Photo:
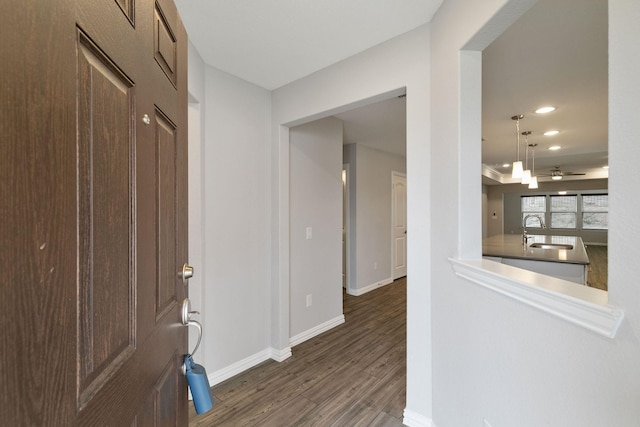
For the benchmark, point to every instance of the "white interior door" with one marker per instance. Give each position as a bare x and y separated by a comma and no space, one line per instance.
399,224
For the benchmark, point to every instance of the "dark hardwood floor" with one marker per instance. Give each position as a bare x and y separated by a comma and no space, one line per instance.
352,375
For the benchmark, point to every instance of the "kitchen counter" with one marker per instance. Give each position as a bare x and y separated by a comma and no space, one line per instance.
566,264
511,246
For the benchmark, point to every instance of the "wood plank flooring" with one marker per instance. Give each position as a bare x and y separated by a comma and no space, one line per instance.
352,375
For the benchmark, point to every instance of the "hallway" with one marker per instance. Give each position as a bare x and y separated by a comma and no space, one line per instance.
352,375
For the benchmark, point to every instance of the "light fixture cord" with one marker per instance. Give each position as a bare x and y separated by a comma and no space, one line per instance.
526,152
533,161
518,137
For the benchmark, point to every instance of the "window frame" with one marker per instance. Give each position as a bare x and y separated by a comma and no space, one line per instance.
547,214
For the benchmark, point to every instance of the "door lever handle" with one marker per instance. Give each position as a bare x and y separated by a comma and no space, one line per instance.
186,320
187,312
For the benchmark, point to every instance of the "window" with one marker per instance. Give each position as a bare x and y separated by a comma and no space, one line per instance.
564,211
595,212
588,210
533,207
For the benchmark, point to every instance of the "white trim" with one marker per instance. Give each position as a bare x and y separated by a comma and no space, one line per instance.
247,363
316,330
238,367
281,355
356,292
347,224
413,419
580,305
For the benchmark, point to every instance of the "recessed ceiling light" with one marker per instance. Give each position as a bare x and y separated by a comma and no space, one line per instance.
544,110
506,165
555,147
562,193
605,167
551,132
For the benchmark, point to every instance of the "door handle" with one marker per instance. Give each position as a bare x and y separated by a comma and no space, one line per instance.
186,321
186,273
186,312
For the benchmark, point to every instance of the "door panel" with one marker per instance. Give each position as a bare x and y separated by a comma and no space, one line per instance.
165,142
128,8
94,213
164,44
105,213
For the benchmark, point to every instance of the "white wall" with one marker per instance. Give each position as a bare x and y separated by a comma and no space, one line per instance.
316,203
495,358
379,73
487,214
236,211
196,195
234,270
371,225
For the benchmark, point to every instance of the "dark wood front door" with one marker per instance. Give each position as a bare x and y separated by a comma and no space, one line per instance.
93,164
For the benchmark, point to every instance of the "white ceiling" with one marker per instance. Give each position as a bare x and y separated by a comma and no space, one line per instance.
274,42
554,54
382,126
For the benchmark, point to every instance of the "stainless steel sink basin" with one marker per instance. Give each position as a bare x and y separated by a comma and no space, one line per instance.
551,246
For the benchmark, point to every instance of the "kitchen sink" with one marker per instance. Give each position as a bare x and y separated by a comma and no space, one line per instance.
551,246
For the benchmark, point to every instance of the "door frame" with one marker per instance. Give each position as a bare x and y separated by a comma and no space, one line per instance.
346,215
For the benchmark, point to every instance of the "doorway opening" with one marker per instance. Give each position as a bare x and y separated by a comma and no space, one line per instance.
370,148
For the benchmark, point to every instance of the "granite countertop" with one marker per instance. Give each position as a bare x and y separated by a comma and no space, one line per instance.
510,246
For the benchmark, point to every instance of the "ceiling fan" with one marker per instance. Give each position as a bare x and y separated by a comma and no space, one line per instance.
557,174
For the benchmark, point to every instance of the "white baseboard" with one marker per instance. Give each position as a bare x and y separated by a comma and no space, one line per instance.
240,366
270,353
317,330
361,291
280,355
413,419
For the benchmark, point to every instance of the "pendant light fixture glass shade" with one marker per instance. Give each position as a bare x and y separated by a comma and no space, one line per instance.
533,184
516,171
526,173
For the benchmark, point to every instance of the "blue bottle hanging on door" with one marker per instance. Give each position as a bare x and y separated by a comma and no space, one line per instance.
196,374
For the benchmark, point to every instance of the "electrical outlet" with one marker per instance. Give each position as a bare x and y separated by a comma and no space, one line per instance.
375,265
309,300
309,233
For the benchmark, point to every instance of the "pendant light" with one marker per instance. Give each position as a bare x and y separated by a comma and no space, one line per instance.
526,174
516,171
533,184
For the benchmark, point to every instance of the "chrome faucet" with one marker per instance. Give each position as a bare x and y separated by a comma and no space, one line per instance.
525,237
